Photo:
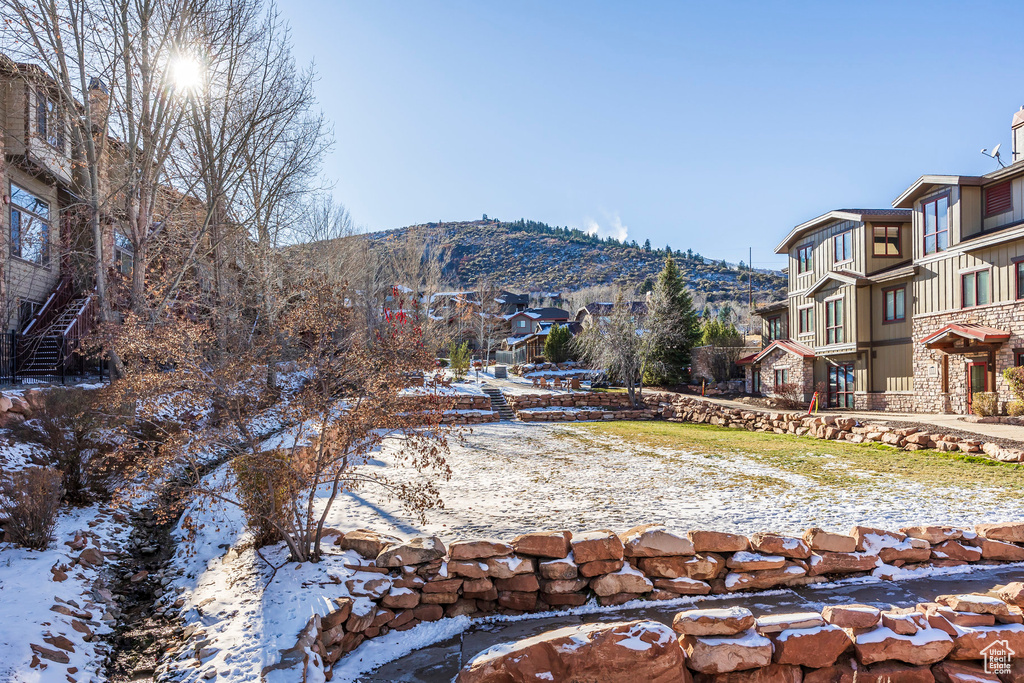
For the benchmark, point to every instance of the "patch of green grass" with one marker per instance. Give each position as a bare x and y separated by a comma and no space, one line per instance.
831,463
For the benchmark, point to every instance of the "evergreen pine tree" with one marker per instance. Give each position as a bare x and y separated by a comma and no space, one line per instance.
675,326
556,346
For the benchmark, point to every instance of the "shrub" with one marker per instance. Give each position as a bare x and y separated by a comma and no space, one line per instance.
1015,408
788,396
1015,378
30,499
984,403
458,356
67,427
263,488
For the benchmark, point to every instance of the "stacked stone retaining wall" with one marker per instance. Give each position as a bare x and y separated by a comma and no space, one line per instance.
403,583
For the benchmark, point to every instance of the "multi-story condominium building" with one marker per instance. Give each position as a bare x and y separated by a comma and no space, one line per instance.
918,307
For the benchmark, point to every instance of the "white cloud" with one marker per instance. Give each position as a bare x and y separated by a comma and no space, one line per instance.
612,227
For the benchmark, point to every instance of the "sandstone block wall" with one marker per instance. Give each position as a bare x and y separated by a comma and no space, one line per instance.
404,583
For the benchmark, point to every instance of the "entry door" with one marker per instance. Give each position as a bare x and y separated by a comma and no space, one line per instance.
977,379
840,385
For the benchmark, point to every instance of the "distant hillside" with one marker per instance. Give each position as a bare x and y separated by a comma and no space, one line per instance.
532,256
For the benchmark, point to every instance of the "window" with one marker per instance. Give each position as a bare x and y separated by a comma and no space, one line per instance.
124,254
803,257
840,386
894,305
26,312
1020,358
522,324
775,327
806,320
974,288
48,122
781,377
998,199
30,226
843,243
755,381
1019,270
936,224
886,240
834,321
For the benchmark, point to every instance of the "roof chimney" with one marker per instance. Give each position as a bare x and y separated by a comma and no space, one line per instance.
1017,135
99,102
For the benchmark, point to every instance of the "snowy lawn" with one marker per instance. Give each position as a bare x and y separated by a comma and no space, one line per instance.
514,477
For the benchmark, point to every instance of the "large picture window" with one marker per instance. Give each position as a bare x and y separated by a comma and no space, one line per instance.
834,321
936,224
974,288
886,241
30,226
124,254
843,246
803,259
894,308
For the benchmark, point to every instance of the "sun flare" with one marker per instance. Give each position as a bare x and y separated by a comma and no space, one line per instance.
186,73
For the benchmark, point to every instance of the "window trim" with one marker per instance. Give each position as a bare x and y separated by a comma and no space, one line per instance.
924,223
809,309
964,274
847,257
830,331
784,374
778,319
46,260
885,311
1018,278
984,199
755,381
43,116
800,270
899,241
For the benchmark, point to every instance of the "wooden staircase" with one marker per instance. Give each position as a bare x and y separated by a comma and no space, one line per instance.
48,343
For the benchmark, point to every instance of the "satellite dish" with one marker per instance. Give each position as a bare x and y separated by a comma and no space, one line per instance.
995,154
995,150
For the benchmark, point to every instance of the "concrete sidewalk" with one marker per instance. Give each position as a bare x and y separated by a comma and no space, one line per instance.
439,663
941,422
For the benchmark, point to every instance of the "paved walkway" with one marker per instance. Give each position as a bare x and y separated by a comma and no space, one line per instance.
940,421
439,663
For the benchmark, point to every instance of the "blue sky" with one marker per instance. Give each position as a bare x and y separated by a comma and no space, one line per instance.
710,126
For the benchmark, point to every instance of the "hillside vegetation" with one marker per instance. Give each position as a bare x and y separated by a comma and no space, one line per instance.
531,256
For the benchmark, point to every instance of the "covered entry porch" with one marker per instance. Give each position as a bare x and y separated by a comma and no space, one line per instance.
968,362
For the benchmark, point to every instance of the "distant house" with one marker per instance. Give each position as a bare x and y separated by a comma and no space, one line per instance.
529,332
591,313
511,302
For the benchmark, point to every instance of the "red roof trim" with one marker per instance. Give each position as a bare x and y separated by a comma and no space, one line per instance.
979,333
788,346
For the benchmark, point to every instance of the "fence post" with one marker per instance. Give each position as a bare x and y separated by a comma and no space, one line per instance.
61,348
15,337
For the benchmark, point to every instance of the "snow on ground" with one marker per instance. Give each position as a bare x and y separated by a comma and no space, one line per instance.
28,591
508,478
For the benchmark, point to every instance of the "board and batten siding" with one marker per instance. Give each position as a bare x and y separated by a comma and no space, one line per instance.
872,263
937,285
892,368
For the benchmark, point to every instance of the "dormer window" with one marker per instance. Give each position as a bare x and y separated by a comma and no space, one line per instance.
936,224
886,240
843,246
48,122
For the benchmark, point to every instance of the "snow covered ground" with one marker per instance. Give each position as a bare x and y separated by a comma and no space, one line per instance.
514,477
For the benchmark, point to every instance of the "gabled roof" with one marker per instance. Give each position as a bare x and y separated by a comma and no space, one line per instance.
862,215
747,360
845,277
930,183
787,345
968,331
548,313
